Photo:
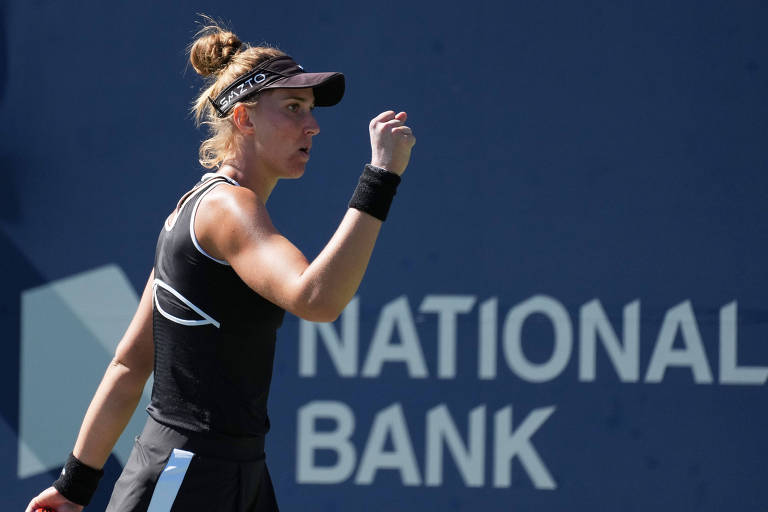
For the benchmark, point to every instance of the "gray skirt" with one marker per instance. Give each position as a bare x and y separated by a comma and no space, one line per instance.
172,471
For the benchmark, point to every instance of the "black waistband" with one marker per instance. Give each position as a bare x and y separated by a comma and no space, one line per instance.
207,445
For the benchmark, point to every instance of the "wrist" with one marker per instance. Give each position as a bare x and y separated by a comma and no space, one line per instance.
385,166
375,191
78,481
381,169
379,164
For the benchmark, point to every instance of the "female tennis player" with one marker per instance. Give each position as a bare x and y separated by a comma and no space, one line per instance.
222,279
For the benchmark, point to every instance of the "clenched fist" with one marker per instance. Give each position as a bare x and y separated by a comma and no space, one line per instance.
391,141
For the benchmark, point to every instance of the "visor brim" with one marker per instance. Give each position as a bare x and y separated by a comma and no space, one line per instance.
327,87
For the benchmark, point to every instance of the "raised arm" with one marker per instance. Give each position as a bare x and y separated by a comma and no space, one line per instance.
114,402
234,225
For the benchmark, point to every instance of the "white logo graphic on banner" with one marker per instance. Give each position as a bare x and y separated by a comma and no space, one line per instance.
69,331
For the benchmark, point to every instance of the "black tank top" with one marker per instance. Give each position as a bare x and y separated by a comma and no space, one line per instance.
214,336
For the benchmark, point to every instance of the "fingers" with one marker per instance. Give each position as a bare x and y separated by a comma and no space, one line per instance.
389,115
51,500
32,506
392,123
36,503
397,122
383,117
405,131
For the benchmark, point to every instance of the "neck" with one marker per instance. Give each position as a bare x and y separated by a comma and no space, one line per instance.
237,168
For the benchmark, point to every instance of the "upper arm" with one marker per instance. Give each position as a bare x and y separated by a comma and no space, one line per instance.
136,349
236,227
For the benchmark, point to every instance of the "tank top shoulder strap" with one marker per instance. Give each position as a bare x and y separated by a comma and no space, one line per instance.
215,176
208,181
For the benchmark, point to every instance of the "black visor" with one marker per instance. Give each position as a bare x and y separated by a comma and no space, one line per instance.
281,73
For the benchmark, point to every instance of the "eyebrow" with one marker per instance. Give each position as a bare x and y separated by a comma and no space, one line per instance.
299,98
304,101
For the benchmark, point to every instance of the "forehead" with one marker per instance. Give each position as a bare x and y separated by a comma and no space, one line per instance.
305,94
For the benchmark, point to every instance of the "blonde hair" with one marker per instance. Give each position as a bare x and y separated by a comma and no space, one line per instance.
218,55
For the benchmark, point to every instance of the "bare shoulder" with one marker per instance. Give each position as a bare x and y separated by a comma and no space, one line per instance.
228,217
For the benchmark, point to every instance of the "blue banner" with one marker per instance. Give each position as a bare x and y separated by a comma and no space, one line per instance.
566,308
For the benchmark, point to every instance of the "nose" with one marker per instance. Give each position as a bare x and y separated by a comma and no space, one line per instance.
311,127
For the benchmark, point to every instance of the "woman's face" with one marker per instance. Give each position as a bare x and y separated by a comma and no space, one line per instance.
283,130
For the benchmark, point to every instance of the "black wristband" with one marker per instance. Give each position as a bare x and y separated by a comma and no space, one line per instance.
77,481
375,191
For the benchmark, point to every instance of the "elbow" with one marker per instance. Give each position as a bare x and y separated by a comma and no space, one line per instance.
320,313
316,308
133,378
318,303
322,316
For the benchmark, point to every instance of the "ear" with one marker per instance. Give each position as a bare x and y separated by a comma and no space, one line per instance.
241,118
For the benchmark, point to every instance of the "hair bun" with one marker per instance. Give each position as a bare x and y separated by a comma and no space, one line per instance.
213,49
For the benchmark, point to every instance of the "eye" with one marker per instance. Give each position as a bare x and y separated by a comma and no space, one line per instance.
294,107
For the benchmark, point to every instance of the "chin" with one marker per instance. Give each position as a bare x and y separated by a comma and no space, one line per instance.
295,173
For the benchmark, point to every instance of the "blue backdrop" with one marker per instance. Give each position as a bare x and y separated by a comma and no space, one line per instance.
565,310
